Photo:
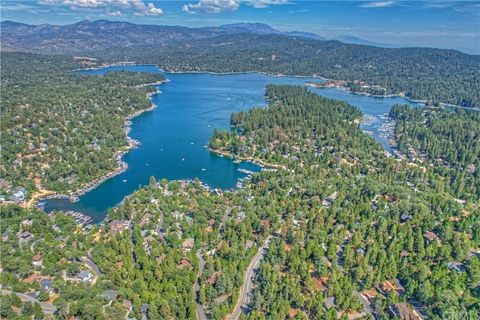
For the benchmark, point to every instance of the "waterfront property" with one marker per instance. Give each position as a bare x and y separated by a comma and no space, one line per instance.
173,136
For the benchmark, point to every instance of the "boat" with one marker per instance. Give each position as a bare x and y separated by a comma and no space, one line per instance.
124,180
73,199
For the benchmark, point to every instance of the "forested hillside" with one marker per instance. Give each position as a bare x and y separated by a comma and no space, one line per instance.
435,75
429,74
353,232
449,138
61,130
364,233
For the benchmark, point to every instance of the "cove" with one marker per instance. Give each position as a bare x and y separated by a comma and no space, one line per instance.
173,136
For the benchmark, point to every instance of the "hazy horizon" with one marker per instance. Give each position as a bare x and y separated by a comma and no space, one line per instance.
438,24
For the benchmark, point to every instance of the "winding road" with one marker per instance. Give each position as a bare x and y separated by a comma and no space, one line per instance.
199,309
47,308
246,289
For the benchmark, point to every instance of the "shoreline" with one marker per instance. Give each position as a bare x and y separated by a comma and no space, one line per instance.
256,161
132,143
358,93
315,76
121,167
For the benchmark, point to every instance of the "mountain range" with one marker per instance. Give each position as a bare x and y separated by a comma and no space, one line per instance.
90,36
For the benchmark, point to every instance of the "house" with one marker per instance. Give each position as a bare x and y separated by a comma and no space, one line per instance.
360,251
85,276
117,226
329,302
318,284
37,260
144,310
431,236
249,244
404,312
405,217
404,253
110,294
292,313
19,195
241,216
188,244
32,278
456,266
24,236
394,286
370,294
177,215
183,263
265,224
146,243
26,222
249,198
454,219
145,219
328,202
46,285
127,304
213,279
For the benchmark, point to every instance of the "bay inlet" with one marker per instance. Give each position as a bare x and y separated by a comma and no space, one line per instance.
173,136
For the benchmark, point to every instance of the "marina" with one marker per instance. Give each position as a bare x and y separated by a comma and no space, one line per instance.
170,139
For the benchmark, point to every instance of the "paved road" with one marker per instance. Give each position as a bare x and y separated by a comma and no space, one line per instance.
246,289
200,310
92,265
47,308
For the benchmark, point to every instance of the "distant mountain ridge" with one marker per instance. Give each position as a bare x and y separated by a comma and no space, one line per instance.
91,36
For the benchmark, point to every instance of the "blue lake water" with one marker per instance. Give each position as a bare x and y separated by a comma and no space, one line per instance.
173,136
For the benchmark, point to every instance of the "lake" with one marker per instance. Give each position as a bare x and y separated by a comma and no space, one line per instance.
174,135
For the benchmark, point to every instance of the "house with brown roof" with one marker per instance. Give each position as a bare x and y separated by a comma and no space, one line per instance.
404,312
32,278
213,279
404,253
117,226
188,244
127,304
431,236
183,263
393,285
37,260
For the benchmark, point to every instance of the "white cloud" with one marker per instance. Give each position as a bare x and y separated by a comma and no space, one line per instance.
113,14
151,10
217,6
211,6
109,6
377,4
265,3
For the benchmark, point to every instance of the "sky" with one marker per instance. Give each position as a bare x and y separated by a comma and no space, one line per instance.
433,23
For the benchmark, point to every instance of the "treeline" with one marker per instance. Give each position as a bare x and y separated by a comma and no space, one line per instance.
354,220
434,75
448,137
62,127
344,218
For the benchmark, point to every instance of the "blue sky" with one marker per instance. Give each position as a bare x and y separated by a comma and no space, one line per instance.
436,23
